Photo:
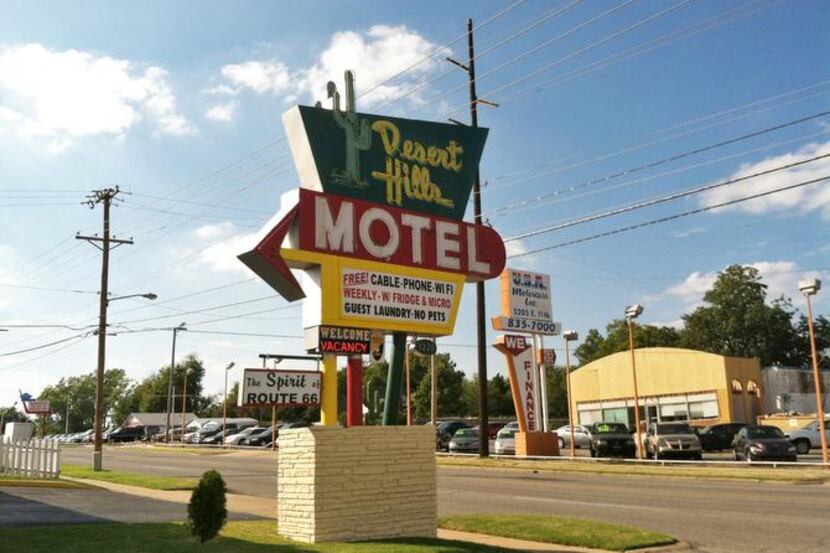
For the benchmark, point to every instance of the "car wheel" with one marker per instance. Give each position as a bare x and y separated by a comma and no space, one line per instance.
802,447
698,457
561,444
735,455
593,453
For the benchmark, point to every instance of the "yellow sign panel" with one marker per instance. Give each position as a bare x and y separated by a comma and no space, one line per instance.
382,296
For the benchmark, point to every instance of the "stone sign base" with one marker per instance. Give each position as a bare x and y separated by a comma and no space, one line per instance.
359,483
530,444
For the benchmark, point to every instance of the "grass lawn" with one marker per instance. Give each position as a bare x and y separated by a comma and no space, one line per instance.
236,537
129,478
811,475
13,481
558,530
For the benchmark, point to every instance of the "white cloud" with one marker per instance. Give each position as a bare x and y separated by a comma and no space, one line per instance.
688,232
6,276
803,200
221,112
208,232
56,97
374,56
781,278
259,76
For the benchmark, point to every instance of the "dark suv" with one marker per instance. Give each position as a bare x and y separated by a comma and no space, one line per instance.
718,437
611,439
127,434
445,431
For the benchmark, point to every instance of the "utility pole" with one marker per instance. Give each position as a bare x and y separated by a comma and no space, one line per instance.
481,315
170,400
105,197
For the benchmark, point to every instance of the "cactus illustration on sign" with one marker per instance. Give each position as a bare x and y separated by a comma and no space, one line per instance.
357,132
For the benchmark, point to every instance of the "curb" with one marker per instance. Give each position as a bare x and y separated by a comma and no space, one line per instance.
535,546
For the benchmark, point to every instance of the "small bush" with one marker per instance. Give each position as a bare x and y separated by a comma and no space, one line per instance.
206,512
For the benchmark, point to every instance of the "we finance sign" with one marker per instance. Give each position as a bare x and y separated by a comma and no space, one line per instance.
415,165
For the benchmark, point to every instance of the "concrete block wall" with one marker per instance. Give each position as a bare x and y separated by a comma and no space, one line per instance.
365,482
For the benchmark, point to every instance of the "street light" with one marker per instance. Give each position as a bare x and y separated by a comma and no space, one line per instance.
631,313
170,382
97,454
225,403
184,400
569,336
810,288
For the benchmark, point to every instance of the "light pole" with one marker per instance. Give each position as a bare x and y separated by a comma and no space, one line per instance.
811,288
225,402
175,330
66,421
98,451
631,313
569,336
184,401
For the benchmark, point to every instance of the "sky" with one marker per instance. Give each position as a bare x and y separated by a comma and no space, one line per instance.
602,106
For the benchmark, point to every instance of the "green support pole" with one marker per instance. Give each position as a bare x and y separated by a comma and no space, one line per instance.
394,381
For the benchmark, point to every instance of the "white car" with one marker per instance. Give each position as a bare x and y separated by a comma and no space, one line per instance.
581,436
807,437
506,441
233,439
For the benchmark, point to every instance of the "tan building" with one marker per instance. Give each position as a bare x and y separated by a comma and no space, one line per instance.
673,384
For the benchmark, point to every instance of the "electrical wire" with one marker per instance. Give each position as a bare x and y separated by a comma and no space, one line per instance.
669,218
659,199
658,162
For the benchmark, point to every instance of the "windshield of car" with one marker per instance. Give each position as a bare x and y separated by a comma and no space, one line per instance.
210,427
764,432
506,433
466,433
674,428
611,428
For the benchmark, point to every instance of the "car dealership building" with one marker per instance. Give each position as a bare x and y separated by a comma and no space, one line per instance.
673,384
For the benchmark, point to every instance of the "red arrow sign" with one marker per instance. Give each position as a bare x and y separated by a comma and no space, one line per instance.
265,260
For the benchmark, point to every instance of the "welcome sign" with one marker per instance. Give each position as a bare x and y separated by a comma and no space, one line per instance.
415,165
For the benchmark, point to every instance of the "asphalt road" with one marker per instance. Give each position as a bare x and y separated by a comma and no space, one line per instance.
716,516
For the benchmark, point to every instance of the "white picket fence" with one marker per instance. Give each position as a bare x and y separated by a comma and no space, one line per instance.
33,458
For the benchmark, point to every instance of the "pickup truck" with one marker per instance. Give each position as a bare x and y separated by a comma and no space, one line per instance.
807,437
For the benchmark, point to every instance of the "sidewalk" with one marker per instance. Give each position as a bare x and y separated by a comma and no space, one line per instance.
267,508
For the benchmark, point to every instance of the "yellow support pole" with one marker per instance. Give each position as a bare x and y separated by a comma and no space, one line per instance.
328,403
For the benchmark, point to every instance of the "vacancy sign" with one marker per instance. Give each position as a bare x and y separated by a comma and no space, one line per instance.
273,388
520,365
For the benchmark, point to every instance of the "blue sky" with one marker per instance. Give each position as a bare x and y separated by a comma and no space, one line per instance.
180,104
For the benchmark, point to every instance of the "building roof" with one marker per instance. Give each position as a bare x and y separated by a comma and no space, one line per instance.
157,419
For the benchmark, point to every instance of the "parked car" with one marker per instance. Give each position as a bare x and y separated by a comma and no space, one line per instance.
808,437
506,441
671,439
127,434
763,443
234,439
493,429
445,432
719,437
611,439
581,436
465,440
175,434
259,437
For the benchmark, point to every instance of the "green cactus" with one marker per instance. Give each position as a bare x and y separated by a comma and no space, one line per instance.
357,131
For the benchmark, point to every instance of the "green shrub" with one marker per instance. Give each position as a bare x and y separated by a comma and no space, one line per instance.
206,512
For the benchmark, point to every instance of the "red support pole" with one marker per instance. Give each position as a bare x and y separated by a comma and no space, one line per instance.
354,392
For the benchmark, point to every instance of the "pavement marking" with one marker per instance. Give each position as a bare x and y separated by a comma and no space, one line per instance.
593,503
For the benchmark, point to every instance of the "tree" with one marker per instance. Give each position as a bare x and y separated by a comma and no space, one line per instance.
79,392
151,393
10,414
738,322
450,391
821,327
616,339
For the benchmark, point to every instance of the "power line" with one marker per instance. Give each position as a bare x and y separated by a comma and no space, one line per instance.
45,289
78,340
42,346
645,47
660,199
212,308
580,51
533,204
670,217
658,162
